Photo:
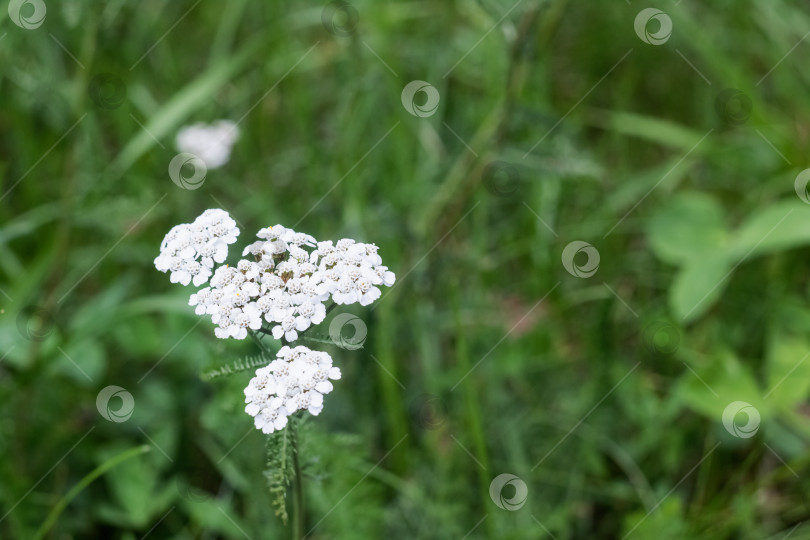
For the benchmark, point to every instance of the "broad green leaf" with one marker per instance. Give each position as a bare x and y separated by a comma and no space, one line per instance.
778,227
688,228
717,382
698,285
787,369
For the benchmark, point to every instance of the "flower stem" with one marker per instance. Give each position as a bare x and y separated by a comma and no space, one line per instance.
298,500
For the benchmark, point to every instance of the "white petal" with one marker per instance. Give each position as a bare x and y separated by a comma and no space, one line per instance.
315,410
301,323
238,332
221,333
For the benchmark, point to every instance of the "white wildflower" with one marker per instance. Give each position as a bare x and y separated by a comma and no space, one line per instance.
206,240
211,143
296,380
286,279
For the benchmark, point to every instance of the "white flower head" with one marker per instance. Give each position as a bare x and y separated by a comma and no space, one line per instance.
296,380
286,279
189,250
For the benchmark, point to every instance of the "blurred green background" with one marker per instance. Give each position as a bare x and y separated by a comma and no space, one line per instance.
676,160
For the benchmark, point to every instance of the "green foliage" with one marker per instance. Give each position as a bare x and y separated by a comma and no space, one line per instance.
691,232
248,363
278,468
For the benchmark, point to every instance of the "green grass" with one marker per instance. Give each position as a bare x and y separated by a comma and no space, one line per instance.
606,398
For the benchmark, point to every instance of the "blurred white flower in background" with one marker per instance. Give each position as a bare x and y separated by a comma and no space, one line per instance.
211,143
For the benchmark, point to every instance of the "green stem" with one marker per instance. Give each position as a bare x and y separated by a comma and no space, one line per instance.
298,500
56,511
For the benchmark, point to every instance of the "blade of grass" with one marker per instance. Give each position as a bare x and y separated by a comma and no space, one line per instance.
57,510
183,103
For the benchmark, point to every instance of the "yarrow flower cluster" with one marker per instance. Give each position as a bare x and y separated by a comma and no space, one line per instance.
296,380
190,250
285,281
